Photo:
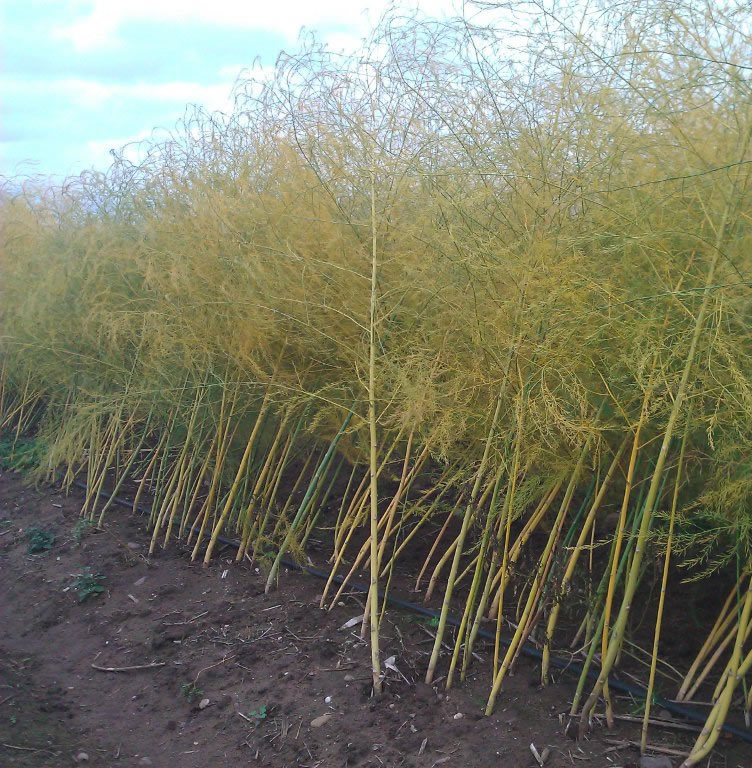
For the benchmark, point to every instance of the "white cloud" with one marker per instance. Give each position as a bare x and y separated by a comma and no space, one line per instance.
96,153
92,95
64,123
86,107
98,29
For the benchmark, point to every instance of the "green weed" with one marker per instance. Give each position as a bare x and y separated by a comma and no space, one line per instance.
429,621
81,529
259,714
39,539
88,584
190,692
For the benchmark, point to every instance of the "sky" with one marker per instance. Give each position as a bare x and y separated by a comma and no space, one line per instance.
81,77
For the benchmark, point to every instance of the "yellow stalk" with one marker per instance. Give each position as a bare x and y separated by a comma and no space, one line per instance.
719,685
168,502
477,562
722,623
438,538
617,547
222,446
425,517
512,553
197,485
126,470
386,523
736,671
148,470
282,518
248,517
230,500
572,563
373,463
452,548
460,540
519,636
662,598
353,516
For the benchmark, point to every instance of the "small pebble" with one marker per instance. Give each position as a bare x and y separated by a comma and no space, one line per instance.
317,722
133,545
204,703
144,761
348,678
328,700
458,716
81,757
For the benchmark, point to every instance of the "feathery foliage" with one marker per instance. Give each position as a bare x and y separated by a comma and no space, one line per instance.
522,238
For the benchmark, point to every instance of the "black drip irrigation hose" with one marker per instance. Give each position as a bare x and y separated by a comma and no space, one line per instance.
528,649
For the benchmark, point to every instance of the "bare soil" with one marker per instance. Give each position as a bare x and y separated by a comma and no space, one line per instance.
229,676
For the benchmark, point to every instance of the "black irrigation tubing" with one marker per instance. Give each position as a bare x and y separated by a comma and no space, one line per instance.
527,649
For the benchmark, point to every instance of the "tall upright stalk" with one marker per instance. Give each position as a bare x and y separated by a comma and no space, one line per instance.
373,456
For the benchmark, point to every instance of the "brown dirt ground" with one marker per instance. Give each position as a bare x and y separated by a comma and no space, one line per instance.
268,666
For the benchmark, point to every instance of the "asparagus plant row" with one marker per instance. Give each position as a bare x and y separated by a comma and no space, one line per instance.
436,308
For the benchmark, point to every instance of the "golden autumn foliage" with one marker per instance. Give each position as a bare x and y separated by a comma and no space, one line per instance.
525,234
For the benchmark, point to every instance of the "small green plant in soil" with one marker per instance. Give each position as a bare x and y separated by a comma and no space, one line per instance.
429,621
87,584
259,714
80,529
638,705
190,692
39,539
